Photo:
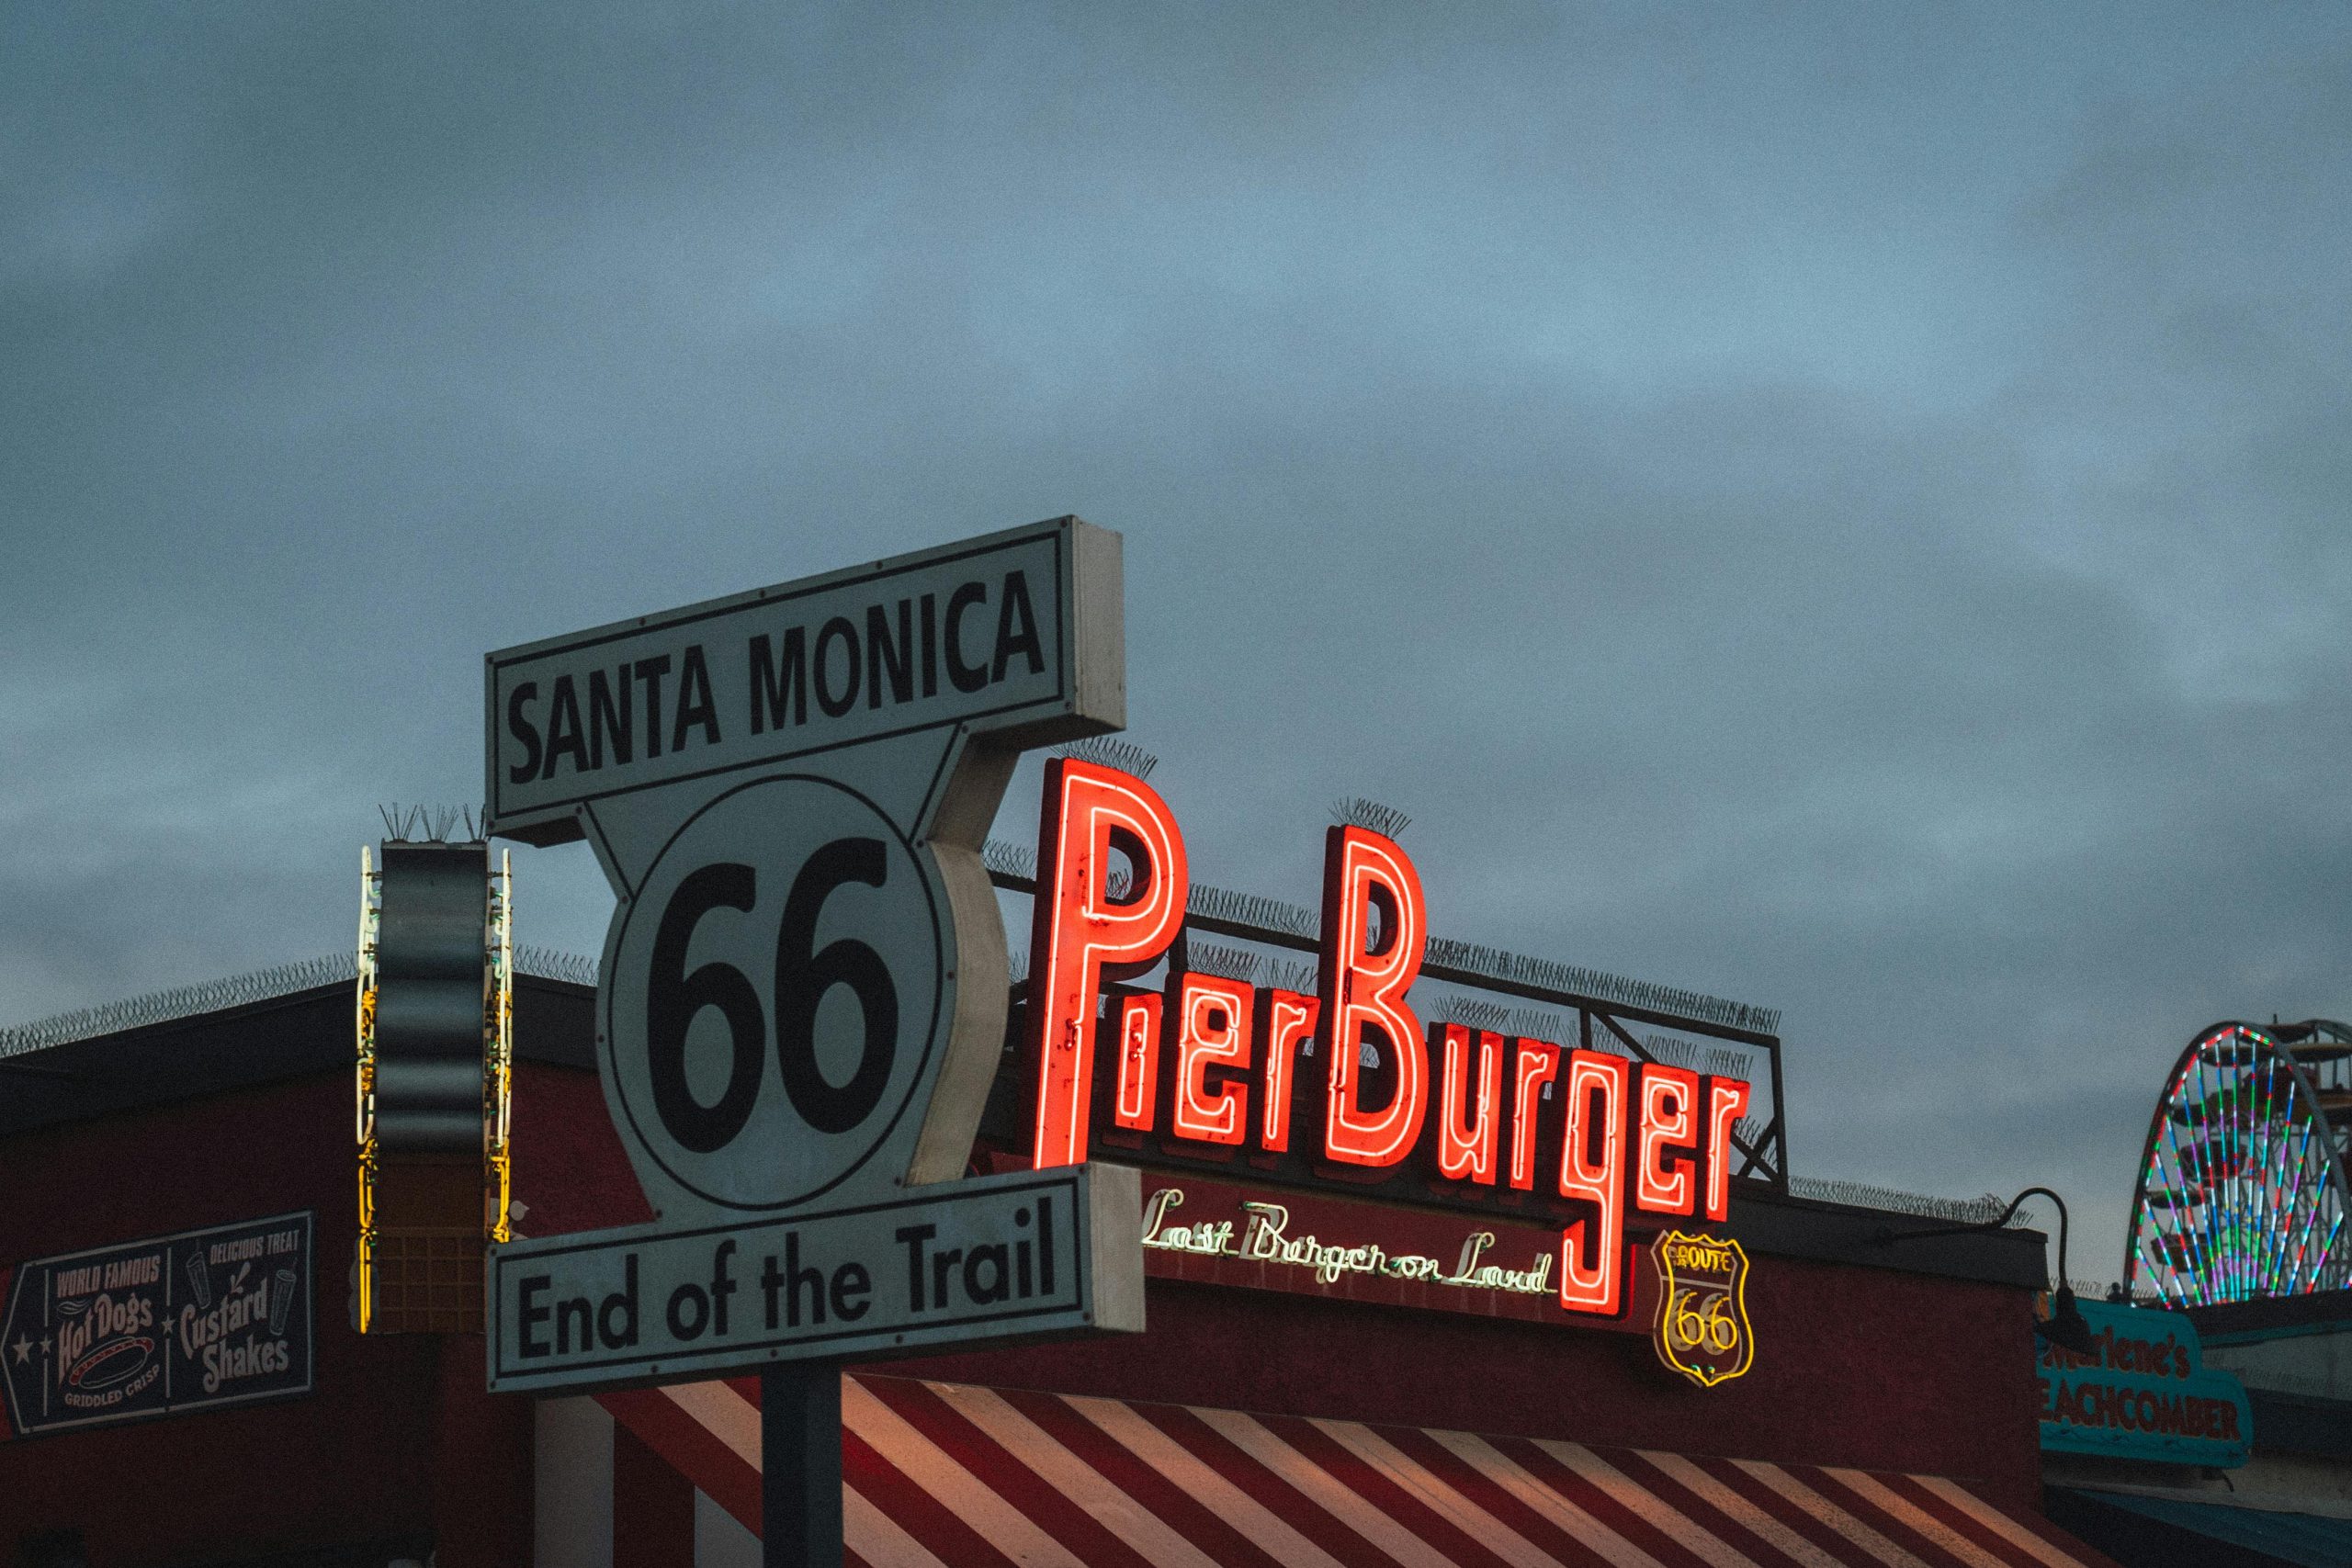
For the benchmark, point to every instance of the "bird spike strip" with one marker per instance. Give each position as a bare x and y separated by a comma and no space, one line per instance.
1539,1023
1726,1063
1577,980
1249,910
1225,963
1673,1051
1018,862
428,824
1006,858
1862,1195
182,1001
1111,751
1491,1017
548,963
1359,811
244,991
1286,975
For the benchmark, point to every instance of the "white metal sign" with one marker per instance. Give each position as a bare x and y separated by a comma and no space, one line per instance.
991,1258
804,985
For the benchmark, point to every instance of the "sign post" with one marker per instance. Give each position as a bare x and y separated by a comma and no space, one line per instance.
803,988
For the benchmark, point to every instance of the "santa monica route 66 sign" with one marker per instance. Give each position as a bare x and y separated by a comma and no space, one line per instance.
804,986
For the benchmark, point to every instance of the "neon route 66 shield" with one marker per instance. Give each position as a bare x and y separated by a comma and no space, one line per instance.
1703,1330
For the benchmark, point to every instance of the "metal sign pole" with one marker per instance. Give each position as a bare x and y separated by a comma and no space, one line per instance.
801,1465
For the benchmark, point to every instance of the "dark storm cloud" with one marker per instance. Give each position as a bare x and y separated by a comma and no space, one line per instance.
1838,508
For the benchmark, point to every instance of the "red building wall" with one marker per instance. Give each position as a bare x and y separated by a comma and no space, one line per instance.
1863,1367
396,1443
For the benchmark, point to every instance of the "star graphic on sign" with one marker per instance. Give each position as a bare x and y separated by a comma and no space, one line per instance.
44,1345
24,1349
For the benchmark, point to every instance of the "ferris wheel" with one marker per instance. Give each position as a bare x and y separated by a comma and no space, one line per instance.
2242,1189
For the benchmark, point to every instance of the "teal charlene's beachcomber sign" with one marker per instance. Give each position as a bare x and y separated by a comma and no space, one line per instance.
2143,1393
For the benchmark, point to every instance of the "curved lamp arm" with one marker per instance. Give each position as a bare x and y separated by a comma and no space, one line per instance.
2066,1326
2007,1214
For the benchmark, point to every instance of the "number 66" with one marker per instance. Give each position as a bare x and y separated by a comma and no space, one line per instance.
802,978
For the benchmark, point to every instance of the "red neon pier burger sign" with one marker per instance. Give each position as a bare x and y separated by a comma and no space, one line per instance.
1345,1084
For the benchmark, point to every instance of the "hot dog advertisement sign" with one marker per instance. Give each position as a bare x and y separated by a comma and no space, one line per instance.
159,1327
804,987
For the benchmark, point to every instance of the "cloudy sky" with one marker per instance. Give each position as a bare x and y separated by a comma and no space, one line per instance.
1848,508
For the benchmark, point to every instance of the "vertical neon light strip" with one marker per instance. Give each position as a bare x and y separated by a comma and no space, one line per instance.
1133,1103
2204,1264
2201,1172
2317,1266
2139,1250
2211,1107
1727,1103
1079,934
2280,1186
2196,1224
2308,1194
2314,1163
2241,1255
2319,1275
2246,1202
1202,1042
2276,1260
2296,1198
2178,1254
2165,1286
1360,987
2249,1224
2253,1216
1536,1064
2232,1197
2325,1194
2230,1230
1286,1020
1594,1077
2171,1231
1655,1190
2180,1257
370,912
2314,1192
498,1074
1466,1146
2261,1188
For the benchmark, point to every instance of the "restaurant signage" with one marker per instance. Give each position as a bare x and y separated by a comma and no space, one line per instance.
158,1326
1343,1085
1266,1236
803,993
1688,1292
986,1259
1702,1329
2143,1393
1307,1243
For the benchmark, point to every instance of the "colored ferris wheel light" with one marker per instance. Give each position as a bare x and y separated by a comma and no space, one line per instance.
2242,1190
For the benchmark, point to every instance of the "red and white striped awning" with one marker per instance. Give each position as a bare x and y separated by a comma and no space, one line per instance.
943,1475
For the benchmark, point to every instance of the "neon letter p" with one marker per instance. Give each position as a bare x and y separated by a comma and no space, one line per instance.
1082,935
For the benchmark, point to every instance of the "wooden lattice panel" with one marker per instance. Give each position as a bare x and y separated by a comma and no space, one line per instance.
428,1280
